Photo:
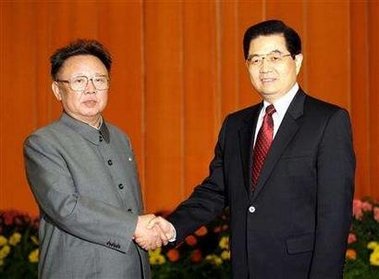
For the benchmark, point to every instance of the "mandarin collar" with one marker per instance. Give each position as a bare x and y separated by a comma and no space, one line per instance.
87,131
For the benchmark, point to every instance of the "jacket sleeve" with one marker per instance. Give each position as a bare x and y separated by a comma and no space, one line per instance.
335,172
208,199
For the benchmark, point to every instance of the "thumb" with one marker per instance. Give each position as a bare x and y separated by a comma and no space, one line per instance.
152,223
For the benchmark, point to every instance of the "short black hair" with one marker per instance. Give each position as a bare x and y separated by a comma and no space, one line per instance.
79,47
272,27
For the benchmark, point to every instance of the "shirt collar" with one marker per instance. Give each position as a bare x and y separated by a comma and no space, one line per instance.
100,123
281,105
87,131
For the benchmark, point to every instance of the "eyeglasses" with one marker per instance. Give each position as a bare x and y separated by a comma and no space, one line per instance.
80,83
273,58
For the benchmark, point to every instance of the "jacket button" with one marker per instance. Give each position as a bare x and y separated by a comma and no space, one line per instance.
120,186
130,210
110,162
251,209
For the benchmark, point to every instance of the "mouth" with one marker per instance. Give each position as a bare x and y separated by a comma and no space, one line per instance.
267,80
90,102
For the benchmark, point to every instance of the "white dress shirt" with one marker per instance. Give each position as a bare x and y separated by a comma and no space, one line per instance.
281,107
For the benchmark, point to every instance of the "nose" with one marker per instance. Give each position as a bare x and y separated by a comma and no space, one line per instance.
90,88
265,66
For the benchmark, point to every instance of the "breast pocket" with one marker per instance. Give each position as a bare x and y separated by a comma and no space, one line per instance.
300,172
300,166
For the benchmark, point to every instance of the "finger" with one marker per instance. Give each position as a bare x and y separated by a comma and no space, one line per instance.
144,245
167,229
155,237
153,222
158,243
141,243
163,236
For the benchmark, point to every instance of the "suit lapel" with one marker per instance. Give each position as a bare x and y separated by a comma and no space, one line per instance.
287,130
246,134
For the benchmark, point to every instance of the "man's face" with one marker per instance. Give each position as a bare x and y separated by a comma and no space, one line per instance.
85,105
274,75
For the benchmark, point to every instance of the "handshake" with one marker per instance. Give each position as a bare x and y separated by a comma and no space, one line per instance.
153,232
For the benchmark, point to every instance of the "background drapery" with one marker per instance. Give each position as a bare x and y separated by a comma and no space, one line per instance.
178,71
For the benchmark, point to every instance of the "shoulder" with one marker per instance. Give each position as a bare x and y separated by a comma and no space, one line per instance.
324,113
313,103
45,139
117,134
115,130
322,109
49,131
112,127
243,115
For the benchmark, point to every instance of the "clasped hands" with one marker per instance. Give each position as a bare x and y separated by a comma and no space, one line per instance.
153,231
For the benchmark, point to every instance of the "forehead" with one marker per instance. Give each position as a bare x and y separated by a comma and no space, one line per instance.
83,64
266,44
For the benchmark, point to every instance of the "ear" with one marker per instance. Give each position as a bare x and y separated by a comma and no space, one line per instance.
298,61
56,90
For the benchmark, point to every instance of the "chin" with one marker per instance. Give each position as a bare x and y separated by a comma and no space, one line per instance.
270,93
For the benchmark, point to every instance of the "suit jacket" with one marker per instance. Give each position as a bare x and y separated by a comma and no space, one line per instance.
295,224
86,184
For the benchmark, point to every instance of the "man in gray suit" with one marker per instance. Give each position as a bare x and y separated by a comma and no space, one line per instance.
83,174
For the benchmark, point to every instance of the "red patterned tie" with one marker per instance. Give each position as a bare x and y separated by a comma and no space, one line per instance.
263,143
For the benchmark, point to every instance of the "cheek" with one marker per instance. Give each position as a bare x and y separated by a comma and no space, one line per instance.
102,101
69,100
289,71
254,77
74,101
290,75
68,105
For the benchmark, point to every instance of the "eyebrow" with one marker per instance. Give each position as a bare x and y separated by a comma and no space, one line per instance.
95,75
273,51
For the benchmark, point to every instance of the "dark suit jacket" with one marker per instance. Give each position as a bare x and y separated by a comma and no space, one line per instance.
295,224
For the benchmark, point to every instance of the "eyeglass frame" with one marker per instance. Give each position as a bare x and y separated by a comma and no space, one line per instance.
70,80
262,57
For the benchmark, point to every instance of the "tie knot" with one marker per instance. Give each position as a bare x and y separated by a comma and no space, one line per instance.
270,109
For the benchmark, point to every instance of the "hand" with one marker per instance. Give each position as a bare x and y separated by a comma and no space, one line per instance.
149,238
166,227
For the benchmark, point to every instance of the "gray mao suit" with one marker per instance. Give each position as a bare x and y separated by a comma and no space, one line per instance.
85,182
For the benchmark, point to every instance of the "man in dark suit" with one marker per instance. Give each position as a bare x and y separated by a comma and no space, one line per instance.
289,217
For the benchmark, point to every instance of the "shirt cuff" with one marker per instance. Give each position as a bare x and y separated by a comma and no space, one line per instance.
173,239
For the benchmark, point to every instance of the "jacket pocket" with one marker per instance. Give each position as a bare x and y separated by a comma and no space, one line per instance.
300,244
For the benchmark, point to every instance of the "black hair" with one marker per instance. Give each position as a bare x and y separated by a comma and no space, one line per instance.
79,47
272,27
